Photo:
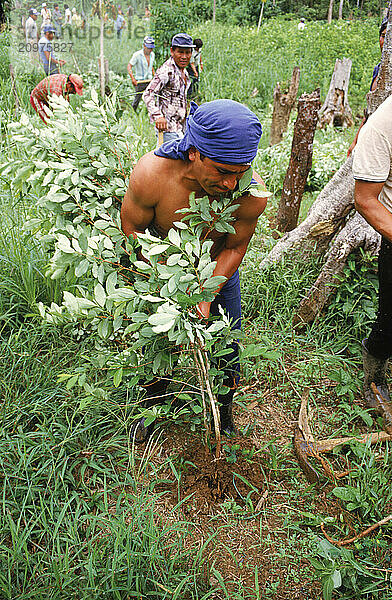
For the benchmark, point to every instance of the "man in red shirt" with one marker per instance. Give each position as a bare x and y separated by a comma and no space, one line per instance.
60,84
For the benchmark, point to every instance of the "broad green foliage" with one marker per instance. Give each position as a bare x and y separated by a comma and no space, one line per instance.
238,59
137,298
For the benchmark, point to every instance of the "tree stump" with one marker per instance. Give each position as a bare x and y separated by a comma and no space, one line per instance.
332,225
336,109
300,161
283,104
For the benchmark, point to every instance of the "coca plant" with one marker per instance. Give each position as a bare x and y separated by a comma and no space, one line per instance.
135,298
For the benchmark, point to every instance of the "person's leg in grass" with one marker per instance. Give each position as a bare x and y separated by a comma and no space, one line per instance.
229,298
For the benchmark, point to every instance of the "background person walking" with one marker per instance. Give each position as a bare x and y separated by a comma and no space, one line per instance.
141,68
57,18
47,57
46,16
119,23
31,31
165,97
195,67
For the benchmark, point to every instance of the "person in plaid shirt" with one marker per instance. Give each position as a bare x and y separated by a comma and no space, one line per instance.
60,84
165,97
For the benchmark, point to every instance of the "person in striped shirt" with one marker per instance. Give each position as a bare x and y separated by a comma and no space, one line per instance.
61,85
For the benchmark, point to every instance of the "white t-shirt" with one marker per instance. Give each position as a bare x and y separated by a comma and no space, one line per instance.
67,16
46,16
373,152
31,30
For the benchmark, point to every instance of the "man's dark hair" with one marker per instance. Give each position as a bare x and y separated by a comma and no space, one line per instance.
66,6
71,83
198,42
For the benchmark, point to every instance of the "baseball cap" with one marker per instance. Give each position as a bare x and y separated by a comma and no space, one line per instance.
149,41
32,11
44,5
182,40
49,29
77,83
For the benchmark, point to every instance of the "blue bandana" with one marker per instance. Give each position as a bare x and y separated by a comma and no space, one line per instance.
223,130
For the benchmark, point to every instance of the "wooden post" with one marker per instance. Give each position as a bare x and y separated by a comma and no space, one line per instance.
330,11
261,15
341,2
106,89
283,105
13,86
336,109
101,54
300,161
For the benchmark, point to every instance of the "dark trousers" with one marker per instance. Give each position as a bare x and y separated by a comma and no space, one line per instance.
379,342
194,87
139,89
51,69
229,298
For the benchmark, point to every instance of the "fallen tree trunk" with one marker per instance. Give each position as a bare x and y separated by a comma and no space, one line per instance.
300,161
336,109
324,219
332,225
356,233
283,105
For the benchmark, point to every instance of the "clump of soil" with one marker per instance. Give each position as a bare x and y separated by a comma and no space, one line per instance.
238,474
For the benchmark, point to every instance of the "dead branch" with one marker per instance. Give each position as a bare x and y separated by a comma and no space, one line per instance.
361,535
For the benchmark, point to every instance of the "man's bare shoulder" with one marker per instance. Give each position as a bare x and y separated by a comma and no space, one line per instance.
146,178
251,207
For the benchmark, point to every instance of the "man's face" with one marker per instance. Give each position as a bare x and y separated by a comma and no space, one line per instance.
181,56
147,50
382,38
50,35
216,178
34,17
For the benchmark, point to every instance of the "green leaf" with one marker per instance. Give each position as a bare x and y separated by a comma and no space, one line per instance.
348,494
160,318
164,328
117,378
328,587
174,237
99,295
214,282
180,225
337,579
245,180
158,249
104,328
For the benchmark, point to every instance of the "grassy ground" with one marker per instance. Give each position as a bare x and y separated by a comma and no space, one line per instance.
85,515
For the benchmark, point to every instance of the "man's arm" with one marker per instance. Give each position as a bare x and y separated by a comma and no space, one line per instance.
368,205
158,82
236,244
137,210
130,73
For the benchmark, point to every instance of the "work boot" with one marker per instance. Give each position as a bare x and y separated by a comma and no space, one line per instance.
375,373
226,413
156,392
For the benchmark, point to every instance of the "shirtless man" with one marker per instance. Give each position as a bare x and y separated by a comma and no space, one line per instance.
220,142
